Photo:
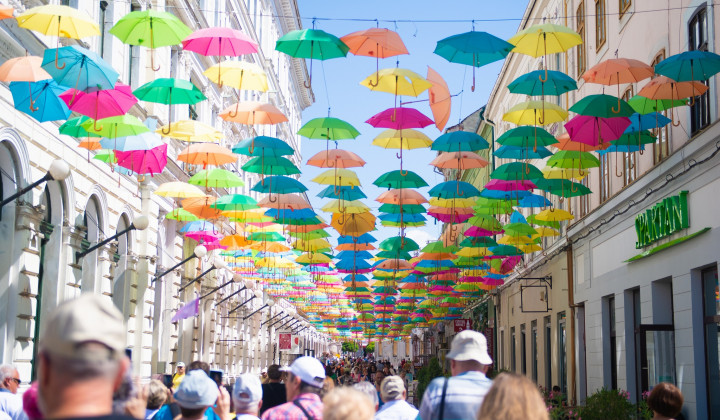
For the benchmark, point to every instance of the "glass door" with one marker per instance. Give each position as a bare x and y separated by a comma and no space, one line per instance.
711,295
657,355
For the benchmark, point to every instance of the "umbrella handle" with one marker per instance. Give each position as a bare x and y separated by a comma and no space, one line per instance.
472,88
95,127
270,198
377,71
672,117
231,115
457,188
573,188
152,61
308,84
169,114
32,103
543,80
56,60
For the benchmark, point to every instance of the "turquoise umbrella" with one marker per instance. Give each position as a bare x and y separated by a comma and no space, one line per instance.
532,83
263,146
454,189
169,91
312,44
689,66
459,141
40,100
400,179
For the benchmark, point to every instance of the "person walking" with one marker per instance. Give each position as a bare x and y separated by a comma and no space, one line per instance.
273,392
513,397
247,396
460,396
197,393
303,386
393,393
665,401
11,403
347,403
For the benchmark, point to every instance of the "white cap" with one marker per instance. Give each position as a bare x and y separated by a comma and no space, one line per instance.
247,389
308,369
470,345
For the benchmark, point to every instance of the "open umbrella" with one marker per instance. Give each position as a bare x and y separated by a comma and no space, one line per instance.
594,130
396,180
399,118
216,178
312,44
474,49
98,104
176,189
543,39
40,100
191,131
556,83
112,127
73,127
406,139
439,97
459,161
328,128
251,113
142,141
239,75
664,88
150,28
169,91
59,20
617,71
354,224
151,161
23,69
535,113
690,66
375,42
397,81
219,41
263,146
206,154
336,159
81,68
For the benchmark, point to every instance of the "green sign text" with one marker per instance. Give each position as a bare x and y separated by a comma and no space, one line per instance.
663,219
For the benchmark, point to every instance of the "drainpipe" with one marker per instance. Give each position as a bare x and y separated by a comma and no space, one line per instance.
571,304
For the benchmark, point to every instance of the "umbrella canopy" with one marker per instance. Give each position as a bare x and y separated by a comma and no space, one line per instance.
207,154
399,118
40,100
522,153
459,141
336,159
516,171
353,224
645,105
375,42
169,91
402,139
191,131
534,84
23,69
119,126
151,161
397,81
543,39
57,20
526,136
312,44
176,189
339,177
459,161
400,179
401,196
689,66
216,178
98,104
596,130
279,184
79,67
239,75
328,128
263,146
270,166
439,98
535,113
73,127
219,41
602,106
616,71
251,113
143,141
572,159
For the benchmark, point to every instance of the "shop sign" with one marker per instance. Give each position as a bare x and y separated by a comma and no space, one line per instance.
284,341
462,324
661,220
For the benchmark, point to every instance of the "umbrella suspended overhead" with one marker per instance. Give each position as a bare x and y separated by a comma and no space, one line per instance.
142,162
40,100
311,44
176,189
142,141
119,126
544,39
328,128
73,127
399,180
216,178
263,146
402,139
397,81
206,154
375,42
617,71
535,113
150,28
474,49
399,118
353,224
459,141
23,69
336,159
664,88
251,113
220,41
80,68
439,98
689,66
241,75
98,104
595,131
534,84
169,91
191,131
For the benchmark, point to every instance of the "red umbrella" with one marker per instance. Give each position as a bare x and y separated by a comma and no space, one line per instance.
151,161
399,118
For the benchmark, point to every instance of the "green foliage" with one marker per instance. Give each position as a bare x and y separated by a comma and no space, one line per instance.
350,346
608,404
370,348
427,374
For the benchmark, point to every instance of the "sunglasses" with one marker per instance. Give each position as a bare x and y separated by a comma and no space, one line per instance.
18,381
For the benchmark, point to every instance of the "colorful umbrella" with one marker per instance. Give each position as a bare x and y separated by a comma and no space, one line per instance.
399,180
239,75
689,66
375,42
81,68
439,97
459,161
665,88
594,130
263,146
176,189
459,141
328,128
142,141
23,69
602,106
206,154
151,161
353,224
73,127
543,39
112,127
40,100
219,41
251,113
98,104
169,91
556,83
474,49
191,131
616,71
312,44
216,178
336,159
150,28
397,81
399,118
535,113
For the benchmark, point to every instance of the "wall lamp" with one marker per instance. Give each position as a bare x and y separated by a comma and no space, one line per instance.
199,252
290,312
140,223
249,284
273,317
289,322
58,170
268,304
258,294
235,279
217,263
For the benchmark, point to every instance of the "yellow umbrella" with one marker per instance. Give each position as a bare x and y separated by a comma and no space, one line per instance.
564,173
543,39
178,189
544,232
452,202
515,240
535,113
473,252
191,131
397,81
239,75
263,229
353,224
342,206
60,21
527,249
407,139
312,258
554,215
313,245
338,177
273,247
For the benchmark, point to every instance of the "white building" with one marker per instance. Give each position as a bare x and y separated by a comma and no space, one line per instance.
44,229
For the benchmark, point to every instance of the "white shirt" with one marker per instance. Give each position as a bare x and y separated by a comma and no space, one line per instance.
12,405
396,410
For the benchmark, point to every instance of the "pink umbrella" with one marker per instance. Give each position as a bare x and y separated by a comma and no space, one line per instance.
451,218
98,104
596,130
493,282
475,231
220,41
151,161
510,263
502,185
399,118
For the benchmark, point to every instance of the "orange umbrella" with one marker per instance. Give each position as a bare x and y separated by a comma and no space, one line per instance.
450,210
274,247
207,154
401,196
616,71
6,12
564,143
375,42
459,160
285,202
251,113
663,87
23,69
355,247
90,143
306,228
354,224
200,207
236,242
440,98
395,264
336,159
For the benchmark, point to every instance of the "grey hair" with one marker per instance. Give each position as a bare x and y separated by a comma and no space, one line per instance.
86,368
368,389
6,371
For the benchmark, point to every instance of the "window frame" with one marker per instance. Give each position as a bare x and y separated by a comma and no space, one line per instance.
661,147
580,53
630,171
702,102
604,177
624,9
600,22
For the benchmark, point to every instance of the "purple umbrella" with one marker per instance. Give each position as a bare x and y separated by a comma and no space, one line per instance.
502,185
596,130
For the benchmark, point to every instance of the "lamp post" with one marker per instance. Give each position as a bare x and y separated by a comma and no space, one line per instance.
58,170
217,263
199,252
140,223
257,294
267,304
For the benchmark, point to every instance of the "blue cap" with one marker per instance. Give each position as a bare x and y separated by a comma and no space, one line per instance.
196,390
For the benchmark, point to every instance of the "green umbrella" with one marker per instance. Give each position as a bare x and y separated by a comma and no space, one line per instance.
489,206
234,202
643,105
312,44
486,222
150,28
571,159
266,236
328,128
602,106
516,171
400,179
270,166
74,127
438,247
405,208
532,219
398,243
478,242
394,255
562,187
107,156
113,127
519,229
169,91
505,250
635,139
216,178
313,234
525,136
182,215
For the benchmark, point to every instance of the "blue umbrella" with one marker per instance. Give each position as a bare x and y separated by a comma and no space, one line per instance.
404,217
533,200
459,141
622,148
517,217
517,152
279,184
143,141
365,238
40,100
350,264
343,193
531,83
81,68
689,66
288,214
454,189
353,254
640,122
263,146
504,195
198,226
474,49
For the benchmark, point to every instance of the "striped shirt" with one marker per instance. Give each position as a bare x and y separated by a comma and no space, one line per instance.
289,411
464,395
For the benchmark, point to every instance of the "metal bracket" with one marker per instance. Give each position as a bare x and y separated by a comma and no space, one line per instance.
535,283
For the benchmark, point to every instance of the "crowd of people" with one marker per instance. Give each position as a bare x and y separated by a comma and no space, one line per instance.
83,372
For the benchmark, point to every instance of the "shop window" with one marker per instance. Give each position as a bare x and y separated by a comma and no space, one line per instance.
523,350
562,352
600,24
698,40
548,352
580,53
534,350
711,300
661,147
624,6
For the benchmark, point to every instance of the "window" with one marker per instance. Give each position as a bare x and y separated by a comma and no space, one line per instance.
523,351
548,352
562,353
600,24
613,341
604,177
502,349
133,79
711,305
629,159
584,200
580,49
661,147
534,350
698,40
513,354
624,6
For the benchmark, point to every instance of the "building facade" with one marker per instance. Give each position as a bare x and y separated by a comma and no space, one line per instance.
594,310
43,230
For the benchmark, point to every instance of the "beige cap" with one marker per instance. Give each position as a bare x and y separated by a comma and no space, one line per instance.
470,345
87,319
391,388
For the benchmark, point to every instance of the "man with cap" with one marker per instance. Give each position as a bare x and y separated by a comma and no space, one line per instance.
197,392
179,375
393,394
81,360
303,386
460,396
273,392
247,397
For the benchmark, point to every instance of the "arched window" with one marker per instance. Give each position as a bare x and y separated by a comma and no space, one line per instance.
121,278
92,222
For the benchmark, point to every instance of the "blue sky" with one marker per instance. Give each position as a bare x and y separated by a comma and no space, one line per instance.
336,82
